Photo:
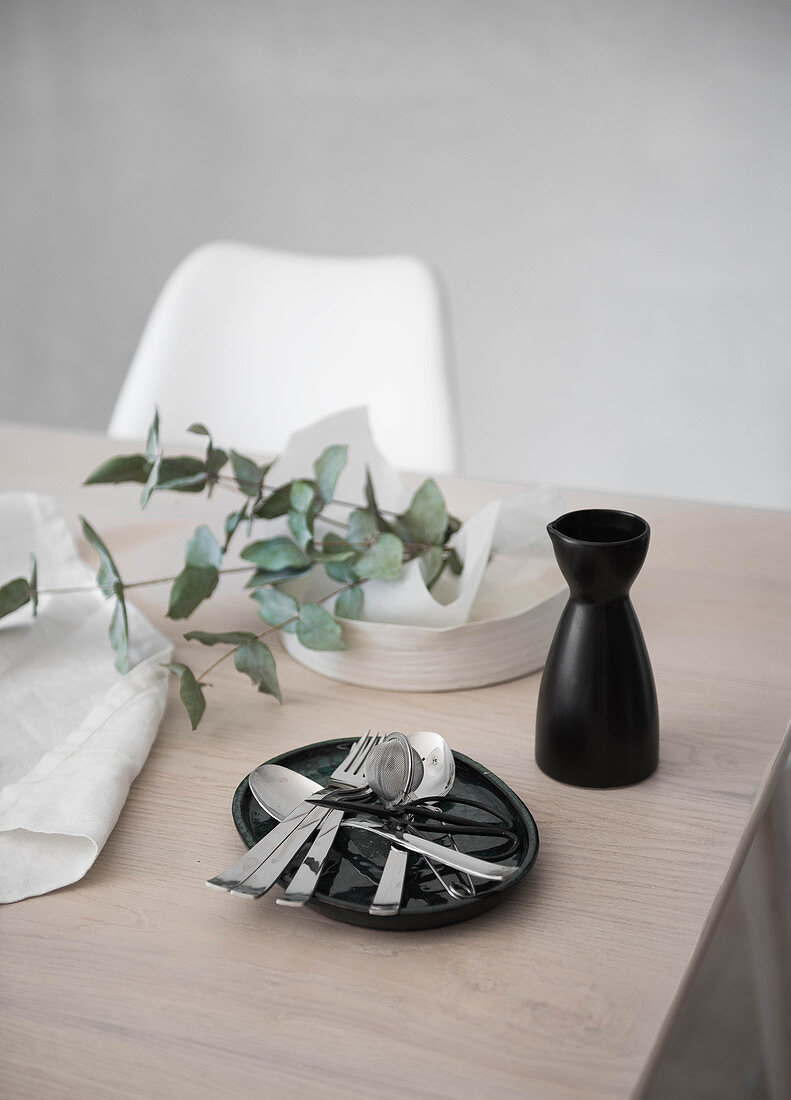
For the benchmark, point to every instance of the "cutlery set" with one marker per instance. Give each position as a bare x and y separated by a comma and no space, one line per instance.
390,786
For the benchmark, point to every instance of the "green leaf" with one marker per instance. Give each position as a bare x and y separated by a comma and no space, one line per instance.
255,659
432,562
14,595
274,576
199,577
119,634
230,637
426,519
203,550
199,429
383,560
215,460
107,576
373,507
34,584
154,458
191,693
232,521
275,554
276,607
455,563
340,571
120,469
152,443
317,629
362,527
328,467
182,473
276,504
334,548
249,475
301,527
302,495
349,603
191,587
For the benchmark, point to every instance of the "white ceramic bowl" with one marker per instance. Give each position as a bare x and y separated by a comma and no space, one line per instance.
418,658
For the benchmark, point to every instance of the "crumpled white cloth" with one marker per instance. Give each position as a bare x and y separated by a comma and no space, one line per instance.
508,561
74,733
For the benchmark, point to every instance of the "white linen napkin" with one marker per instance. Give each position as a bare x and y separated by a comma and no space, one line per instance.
74,733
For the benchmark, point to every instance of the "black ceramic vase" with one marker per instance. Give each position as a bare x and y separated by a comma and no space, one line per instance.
597,723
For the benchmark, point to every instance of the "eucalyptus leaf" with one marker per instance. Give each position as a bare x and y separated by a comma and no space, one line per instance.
200,575
349,603
191,692
302,495
183,473
151,483
276,608
362,527
120,469
232,521
276,504
276,554
317,629
249,475
383,560
34,584
199,429
328,467
455,564
107,576
334,548
301,527
230,637
256,660
373,507
426,519
340,571
203,550
432,562
119,634
152,443
273,576
215,460
191,587
13,595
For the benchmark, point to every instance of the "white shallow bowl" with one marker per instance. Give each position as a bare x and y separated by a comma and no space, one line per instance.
419,658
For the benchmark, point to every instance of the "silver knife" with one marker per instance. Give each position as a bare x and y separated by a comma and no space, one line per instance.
438,853
300,889
303,817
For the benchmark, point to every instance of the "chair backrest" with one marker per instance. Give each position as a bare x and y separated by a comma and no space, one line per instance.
257,343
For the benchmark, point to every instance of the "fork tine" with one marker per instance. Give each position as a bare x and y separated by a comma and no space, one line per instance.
359,765
354,753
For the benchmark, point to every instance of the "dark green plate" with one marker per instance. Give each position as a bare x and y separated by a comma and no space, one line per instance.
354,866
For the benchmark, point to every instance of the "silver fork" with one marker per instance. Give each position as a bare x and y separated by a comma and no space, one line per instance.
262,865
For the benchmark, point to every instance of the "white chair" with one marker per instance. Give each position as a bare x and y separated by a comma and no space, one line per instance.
256,343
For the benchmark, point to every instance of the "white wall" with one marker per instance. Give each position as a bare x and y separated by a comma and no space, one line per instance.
604,183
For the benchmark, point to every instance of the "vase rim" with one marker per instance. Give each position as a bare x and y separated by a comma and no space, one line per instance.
641,532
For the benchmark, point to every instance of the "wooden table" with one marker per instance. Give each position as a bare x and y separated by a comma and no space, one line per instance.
140,982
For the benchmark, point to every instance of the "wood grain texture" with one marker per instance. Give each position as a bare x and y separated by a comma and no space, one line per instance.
138,981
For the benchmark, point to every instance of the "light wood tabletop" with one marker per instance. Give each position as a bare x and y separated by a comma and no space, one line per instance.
139,982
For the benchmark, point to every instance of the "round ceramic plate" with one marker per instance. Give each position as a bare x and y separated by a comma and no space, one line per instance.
354,866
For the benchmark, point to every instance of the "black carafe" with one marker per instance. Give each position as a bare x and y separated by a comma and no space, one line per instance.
597,723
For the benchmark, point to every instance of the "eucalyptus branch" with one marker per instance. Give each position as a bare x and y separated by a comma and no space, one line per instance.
372,543
277,626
